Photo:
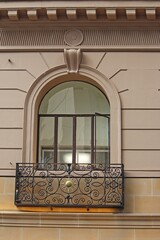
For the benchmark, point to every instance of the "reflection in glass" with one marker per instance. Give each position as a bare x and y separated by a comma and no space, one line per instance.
46,139
74,97
65,137
102,138
83,139
69,128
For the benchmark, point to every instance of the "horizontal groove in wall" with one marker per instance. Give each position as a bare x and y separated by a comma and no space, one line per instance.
12,70
14,128
8,108
141,174
140,109
140,129
140,149
5,148
12,89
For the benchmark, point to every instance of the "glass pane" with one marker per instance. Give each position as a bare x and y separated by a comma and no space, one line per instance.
74,97
102,139
46,139
65,139
83,140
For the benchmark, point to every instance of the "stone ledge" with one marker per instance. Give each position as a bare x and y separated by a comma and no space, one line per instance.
79,220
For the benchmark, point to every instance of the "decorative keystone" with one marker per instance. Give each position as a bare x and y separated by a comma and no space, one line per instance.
72,59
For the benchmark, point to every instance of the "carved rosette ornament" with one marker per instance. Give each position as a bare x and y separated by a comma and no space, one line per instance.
73,37
72,59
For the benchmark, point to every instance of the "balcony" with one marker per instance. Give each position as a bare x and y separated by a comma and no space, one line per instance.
69,185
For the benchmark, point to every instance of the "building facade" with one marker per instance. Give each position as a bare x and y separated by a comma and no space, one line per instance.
79,87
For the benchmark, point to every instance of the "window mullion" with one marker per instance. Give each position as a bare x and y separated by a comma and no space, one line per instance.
108,160
74,140
92,139
95,139
55,140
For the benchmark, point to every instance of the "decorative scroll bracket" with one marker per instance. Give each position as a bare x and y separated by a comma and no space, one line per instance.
72,58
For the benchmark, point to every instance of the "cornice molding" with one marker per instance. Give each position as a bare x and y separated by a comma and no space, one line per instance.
79,220
26,11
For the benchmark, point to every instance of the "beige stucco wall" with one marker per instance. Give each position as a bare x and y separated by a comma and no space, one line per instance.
135,75
121,44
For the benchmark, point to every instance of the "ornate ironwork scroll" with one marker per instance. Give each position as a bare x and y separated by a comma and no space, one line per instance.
69,185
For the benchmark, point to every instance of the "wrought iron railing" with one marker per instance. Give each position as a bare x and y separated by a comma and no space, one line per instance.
69,185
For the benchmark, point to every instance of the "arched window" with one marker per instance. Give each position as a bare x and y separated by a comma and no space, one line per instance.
56,120
71,119
74,125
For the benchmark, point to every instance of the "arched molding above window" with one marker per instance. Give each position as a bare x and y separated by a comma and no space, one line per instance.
54,77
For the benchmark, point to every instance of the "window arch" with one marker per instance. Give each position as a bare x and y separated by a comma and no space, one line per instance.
56,77
74,122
